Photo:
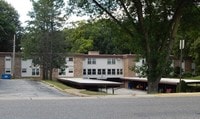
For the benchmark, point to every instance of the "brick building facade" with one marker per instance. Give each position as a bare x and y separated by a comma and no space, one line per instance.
91,65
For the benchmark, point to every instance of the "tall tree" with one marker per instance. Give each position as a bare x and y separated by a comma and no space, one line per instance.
154,21
9,25
44,42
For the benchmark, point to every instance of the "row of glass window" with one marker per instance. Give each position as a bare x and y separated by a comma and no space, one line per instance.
35,71
102,71
93,61
63,71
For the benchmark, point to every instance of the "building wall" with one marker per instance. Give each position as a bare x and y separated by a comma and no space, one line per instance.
108,64
68,69
129,61
188,66
78,67
75,67
17,67
2,65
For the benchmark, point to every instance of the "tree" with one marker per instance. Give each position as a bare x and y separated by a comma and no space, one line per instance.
43,41
101,35
9,25
154,22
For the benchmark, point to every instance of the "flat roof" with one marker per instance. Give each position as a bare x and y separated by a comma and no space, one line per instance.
89,82
173,81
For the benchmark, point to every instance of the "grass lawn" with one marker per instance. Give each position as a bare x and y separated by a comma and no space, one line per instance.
195,78
57,84
64,87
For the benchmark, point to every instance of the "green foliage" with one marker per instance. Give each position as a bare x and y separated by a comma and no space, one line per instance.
102,35
155,23
195,48
187,75
182,87
57,84
43,42
189,31
141,70
196,78
9,25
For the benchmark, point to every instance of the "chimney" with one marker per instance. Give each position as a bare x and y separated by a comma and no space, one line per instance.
93,52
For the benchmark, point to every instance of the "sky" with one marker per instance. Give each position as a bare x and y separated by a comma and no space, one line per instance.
24,6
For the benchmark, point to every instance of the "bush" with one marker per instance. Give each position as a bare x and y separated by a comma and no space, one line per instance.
182,87
187,75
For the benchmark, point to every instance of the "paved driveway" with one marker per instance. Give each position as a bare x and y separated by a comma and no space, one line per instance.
28,88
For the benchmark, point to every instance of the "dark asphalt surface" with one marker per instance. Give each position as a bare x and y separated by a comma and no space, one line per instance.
102,108
28,88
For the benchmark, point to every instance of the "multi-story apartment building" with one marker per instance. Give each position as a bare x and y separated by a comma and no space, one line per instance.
97,66
92,65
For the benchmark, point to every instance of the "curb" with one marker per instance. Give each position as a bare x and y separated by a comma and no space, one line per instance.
67,90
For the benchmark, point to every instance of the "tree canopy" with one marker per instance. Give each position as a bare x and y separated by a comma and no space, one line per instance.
154,23
9,25
101,35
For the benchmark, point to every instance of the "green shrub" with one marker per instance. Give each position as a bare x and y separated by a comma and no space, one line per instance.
181,87
187,75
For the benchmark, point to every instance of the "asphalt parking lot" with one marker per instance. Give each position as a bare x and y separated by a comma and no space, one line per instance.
28,88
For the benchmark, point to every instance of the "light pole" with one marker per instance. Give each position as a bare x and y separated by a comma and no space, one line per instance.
181,47
13,58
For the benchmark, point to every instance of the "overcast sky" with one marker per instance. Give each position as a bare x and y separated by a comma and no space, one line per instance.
24,6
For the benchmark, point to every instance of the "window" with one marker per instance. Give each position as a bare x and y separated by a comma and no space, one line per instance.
91,61
8,58
89,71
94,71
71,70
99,71
23,70
111,61
70,59
113,71
143,62
84,71
104,71
7,70
121,71
35,71
62,71
117,71
109,71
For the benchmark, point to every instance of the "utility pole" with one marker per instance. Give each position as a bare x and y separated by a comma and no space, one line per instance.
13,58
182,45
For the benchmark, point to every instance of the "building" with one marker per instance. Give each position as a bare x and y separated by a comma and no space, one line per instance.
22,68
92,65
97,66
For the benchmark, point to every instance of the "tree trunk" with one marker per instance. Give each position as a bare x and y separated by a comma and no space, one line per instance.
50,74
43,73
156,66
152,87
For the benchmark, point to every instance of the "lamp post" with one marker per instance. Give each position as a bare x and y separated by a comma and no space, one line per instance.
181,47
